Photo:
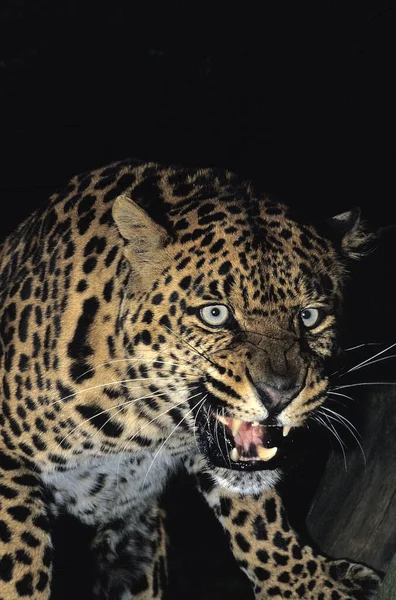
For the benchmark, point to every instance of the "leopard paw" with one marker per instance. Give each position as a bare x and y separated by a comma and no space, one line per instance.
357,581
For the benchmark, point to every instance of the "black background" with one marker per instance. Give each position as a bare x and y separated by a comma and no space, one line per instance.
299,96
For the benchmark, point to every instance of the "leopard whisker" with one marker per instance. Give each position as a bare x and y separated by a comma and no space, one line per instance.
333,431
121,382
338,415
127,360
362,346
120,407
349,426
363,383
370,361
149,423
124,405
341,395
169,436
195,424
217,436
224,433
165,412
336,434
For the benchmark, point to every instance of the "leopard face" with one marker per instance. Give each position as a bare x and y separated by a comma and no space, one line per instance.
237,317
151,309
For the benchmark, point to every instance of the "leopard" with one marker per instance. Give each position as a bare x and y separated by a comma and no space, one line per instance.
157,319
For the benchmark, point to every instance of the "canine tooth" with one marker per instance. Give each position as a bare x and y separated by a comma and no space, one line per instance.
235,455
236,425
221,419
266,453
286,430
256,424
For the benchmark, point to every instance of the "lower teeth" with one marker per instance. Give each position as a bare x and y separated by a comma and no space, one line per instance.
263,454
235,455
266,453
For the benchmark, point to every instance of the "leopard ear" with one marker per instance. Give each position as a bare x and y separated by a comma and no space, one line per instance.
145,237
350,233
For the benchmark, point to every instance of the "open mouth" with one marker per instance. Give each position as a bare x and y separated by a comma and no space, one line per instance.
241,445
250,439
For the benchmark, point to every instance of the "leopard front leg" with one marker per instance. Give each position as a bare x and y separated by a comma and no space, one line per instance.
273,557
130,556
25,544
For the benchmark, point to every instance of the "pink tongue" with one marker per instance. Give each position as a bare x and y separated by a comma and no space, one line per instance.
249,434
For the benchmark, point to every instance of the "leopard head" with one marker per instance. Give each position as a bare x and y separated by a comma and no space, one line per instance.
231,311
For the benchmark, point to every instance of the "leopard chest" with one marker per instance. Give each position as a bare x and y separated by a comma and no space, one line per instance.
101,489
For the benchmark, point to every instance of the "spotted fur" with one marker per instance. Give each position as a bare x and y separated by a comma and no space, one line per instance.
112,379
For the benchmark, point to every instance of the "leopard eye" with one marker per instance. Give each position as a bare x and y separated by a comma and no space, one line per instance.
215,314
311,317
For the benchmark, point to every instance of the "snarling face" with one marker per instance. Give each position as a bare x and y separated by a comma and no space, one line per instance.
237,314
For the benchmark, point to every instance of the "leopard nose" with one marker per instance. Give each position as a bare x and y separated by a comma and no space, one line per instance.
278,394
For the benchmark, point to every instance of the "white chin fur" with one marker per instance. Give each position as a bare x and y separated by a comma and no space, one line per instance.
247,483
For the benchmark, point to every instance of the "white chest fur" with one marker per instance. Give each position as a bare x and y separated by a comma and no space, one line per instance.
101,489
